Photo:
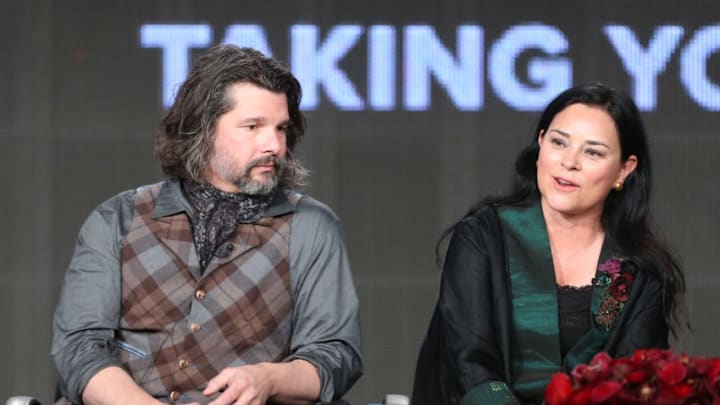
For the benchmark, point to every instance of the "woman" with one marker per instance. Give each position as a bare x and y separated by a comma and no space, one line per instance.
563,267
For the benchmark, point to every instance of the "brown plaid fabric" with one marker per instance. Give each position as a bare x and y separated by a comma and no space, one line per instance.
179,328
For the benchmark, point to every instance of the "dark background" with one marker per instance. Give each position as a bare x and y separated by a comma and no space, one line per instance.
80,102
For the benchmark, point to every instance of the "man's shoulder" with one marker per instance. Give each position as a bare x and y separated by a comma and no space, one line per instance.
127,197
308,207
117,212
313,218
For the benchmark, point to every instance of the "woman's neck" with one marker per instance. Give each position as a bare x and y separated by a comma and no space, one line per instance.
575,244
587,223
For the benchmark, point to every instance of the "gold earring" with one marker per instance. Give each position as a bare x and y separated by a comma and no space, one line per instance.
618,186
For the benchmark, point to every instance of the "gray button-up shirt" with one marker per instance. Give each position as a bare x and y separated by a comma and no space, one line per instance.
325,325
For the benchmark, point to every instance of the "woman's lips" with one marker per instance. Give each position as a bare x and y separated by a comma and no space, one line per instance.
565,183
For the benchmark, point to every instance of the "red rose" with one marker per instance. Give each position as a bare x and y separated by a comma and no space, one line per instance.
604,391
598,369
636,377
581,397
647,355
665,396
672,372
713,379
559,390
683,391
700,365
600,366
582,373
714,371
622,367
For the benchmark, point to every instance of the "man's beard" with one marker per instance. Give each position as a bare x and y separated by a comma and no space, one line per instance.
228,170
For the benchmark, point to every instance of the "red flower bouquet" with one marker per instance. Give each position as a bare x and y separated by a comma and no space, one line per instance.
647,377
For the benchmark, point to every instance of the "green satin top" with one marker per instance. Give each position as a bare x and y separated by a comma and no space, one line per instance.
536,343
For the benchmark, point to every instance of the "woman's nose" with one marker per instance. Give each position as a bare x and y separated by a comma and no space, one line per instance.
570,161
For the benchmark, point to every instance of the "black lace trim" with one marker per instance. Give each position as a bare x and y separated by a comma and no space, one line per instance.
574,318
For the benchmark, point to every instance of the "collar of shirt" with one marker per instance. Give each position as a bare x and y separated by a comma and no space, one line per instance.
171,200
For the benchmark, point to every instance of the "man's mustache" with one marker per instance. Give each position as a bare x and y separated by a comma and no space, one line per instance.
262,161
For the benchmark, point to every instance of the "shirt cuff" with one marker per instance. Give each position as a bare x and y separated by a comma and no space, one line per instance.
490,393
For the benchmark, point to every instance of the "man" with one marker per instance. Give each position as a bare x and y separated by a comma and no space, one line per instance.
221,284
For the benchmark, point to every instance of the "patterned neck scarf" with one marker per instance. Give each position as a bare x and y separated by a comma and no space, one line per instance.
217,215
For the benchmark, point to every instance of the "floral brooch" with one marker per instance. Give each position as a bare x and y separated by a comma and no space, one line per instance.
615,284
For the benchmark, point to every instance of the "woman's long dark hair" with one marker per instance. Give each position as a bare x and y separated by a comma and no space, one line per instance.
626,214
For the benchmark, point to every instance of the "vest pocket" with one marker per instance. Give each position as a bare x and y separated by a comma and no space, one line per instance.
127,347
138,359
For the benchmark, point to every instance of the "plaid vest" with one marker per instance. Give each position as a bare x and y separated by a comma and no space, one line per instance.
178,328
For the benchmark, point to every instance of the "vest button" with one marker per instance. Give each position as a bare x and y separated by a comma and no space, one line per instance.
195,327
200,294
174,396
183,364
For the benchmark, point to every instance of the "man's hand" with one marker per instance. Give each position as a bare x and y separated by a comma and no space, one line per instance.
114,386
246,385
294,382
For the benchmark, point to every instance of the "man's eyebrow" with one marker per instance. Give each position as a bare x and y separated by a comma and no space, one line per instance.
253,118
